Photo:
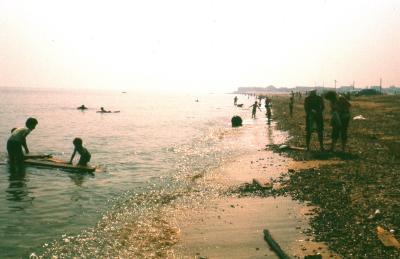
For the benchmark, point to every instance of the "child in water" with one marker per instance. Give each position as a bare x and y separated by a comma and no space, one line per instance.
254,109
83,152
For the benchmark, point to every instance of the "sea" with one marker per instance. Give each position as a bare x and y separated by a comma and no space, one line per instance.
144,151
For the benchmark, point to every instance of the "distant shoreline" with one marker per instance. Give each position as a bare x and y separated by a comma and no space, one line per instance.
304,89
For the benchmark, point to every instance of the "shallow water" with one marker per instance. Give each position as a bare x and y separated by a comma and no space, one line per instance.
145,152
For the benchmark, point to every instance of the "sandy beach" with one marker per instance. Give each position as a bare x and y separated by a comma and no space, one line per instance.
230,224
333,192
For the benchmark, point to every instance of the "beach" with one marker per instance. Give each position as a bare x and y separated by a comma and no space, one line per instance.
343,197
189,189
177,129
359,194
231,224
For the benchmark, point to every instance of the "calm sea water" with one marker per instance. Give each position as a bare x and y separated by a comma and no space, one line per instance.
143,149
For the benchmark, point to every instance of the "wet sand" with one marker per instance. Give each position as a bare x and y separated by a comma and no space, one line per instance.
232,227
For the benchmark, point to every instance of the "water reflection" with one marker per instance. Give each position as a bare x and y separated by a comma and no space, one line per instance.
79,178
270,135
17,190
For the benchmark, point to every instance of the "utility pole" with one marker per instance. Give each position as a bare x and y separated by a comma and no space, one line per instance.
380,85
335,85
353,84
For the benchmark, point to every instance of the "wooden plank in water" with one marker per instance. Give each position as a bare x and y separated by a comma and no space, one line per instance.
54,163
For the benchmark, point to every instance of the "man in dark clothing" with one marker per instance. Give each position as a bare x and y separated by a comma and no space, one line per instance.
291,102
340,108
314,106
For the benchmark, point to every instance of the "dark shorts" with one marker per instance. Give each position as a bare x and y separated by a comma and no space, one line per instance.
14,149
340,129
314,118
83,160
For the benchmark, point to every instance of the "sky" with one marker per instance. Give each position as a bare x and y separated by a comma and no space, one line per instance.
207,45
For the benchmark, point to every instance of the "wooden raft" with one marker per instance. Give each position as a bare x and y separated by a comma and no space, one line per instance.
54,163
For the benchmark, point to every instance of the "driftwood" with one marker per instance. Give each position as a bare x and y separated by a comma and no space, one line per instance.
274,245
287,147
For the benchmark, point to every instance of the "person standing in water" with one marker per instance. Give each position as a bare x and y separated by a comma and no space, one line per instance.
17,140
268,105
314,106
254,109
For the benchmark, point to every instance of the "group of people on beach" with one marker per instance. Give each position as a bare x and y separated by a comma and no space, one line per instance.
340,117
314,107
256,105
17,141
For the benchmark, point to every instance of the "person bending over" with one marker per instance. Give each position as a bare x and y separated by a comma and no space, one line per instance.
17,140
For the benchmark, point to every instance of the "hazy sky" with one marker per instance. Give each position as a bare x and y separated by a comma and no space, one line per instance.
205,45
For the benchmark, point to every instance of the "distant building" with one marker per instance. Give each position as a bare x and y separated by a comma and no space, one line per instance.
346,89
376,87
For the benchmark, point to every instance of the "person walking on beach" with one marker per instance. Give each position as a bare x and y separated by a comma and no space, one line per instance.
235,100
254,109
340,108
83,152
291,102
268,106
314,106
17,140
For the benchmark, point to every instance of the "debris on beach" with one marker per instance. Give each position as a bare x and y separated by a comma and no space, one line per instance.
274,245
263,183
359,117
387,238
313,256
236,121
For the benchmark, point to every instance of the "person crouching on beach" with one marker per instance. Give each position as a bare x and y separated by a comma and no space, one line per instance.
83,152
17,140
340,109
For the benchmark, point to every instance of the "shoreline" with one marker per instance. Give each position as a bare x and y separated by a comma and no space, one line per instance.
351,194
231,223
